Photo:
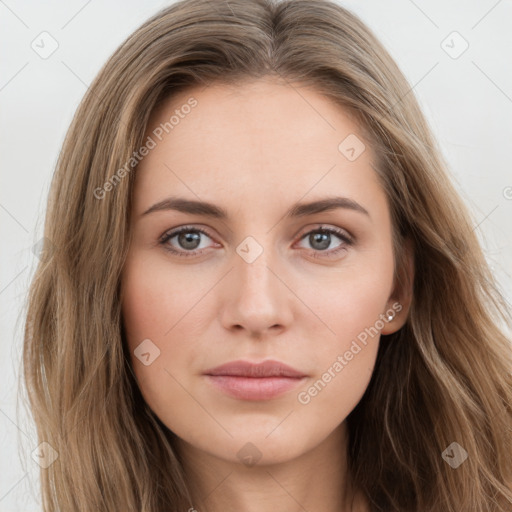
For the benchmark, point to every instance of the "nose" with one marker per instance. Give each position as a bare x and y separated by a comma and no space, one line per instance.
256,297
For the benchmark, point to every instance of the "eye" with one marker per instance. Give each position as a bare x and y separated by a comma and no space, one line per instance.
321,238
188,237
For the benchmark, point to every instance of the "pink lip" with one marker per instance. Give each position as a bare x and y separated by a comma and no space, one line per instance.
251,381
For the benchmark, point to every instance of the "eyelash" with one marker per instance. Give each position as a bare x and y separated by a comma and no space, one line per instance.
316,254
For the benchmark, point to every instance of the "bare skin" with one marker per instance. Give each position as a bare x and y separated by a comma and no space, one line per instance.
255,150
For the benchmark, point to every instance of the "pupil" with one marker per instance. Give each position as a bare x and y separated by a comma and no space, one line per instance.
187,240
324,243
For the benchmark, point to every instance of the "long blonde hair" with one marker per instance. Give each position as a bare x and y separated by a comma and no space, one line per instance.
444,378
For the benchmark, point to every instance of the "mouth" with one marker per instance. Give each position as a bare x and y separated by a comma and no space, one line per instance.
254,381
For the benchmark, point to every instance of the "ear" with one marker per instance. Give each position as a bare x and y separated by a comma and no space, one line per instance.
399,301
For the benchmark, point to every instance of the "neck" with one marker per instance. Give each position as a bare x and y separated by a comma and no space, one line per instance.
316,480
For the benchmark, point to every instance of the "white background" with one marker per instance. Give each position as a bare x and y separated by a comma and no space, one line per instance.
468,102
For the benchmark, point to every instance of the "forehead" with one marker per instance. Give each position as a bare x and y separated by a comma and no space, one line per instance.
279,113
260,139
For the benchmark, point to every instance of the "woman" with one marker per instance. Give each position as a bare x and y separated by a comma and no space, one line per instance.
189,346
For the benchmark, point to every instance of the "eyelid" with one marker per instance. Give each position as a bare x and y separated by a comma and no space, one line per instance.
170,233
341,232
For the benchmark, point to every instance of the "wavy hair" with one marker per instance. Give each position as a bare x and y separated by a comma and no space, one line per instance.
443,378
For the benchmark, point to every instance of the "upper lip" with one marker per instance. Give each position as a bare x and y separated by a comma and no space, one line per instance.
248,369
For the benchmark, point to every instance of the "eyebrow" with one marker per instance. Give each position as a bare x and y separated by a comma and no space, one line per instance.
207,209
297,210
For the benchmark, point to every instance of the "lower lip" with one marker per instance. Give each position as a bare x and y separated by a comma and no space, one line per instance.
252,388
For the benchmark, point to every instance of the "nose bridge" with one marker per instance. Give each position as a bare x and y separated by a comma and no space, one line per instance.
259,299
255,259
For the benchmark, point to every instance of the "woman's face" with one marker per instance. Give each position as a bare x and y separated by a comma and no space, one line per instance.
260,281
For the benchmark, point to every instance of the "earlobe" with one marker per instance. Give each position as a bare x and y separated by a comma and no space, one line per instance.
400,300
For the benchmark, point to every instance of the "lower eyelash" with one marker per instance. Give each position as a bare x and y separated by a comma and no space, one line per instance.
316,254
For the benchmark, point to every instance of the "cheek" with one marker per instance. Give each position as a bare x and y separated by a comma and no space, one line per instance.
350,305
152,304
160,309
351,299
345,355
154,298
